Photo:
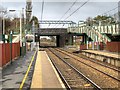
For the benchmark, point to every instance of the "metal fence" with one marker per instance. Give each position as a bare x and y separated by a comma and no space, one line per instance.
5,52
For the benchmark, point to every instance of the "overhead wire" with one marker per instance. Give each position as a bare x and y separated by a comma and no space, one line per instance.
110,10
105,13
76,10
42,10
68,9
86,3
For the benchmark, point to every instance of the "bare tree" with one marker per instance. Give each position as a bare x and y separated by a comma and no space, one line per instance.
89,21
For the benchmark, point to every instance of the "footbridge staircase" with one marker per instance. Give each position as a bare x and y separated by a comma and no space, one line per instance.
97,33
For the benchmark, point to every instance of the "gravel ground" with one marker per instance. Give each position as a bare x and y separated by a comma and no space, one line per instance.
12,75
74,80
99,78
97,66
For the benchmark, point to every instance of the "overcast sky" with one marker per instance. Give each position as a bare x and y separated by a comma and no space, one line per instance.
53,10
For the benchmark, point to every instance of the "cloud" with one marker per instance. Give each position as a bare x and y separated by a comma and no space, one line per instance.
55,10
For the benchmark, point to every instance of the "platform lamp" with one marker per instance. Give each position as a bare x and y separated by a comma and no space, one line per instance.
3,25
119,17
11,46
36,38
20,25
11,32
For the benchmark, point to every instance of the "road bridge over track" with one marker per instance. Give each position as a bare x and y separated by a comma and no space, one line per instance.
60,34
52,31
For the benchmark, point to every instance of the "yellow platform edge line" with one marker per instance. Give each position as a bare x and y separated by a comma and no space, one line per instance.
24,79
37,75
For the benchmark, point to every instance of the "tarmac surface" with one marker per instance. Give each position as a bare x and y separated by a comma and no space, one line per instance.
13,74
45,75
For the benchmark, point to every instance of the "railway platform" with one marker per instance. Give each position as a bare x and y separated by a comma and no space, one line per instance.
105,56
12,75
105,53
45,75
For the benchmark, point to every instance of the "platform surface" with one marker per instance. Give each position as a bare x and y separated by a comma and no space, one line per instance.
108,54
45,75
13,74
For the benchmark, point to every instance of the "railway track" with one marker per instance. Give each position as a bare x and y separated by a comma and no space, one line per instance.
72,77
115,81
94,61
116,70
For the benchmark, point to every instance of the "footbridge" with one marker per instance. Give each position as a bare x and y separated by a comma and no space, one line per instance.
106,33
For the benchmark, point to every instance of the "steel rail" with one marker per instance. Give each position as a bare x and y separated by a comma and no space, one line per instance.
118,70
60,74
92,67
81,74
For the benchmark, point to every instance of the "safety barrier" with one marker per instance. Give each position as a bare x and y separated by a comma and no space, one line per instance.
5,52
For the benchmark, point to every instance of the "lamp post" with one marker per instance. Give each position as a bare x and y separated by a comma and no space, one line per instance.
20,25
36,37
3,29
21,13
11,47
3,25
119,16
